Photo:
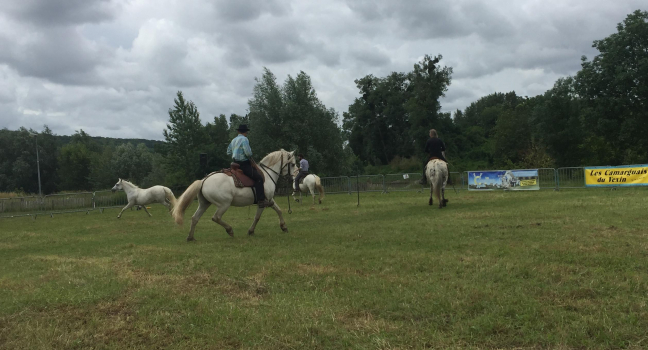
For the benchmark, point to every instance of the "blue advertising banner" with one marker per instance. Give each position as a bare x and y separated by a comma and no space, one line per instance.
503,180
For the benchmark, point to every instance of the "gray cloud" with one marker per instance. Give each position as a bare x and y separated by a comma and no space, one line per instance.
113,67
62,12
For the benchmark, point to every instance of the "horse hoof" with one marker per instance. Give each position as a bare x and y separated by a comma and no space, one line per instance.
320,202
250,233
284,229
191,239
230,232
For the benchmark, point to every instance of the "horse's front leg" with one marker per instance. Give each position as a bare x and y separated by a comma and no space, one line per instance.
130,204
431,193
146,210
282,223
293,195
257,217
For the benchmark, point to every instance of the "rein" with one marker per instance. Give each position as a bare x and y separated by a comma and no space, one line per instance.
264,167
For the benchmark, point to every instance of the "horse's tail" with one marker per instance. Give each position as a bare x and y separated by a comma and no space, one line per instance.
441,173
318,185
184,201
170,197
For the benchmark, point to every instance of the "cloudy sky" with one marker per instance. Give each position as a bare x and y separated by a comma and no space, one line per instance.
112,67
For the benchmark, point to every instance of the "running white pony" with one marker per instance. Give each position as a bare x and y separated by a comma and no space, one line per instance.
310,183
219,189
437,176
138,196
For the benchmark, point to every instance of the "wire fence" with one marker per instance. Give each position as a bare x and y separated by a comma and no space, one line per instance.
548,178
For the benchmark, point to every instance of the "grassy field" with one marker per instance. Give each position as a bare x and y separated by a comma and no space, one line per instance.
539,269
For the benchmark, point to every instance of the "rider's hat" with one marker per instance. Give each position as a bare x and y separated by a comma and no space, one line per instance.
243,128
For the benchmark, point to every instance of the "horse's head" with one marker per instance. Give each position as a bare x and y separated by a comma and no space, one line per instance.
290,163
118,186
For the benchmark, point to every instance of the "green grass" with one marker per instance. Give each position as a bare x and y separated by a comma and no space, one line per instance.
538,269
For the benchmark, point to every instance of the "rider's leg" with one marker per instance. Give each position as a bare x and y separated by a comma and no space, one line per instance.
423,180
252,173
258,185
297,179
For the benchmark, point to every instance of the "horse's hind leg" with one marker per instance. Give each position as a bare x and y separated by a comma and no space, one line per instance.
312,192
146,210
217,218
443,199
203,204
431,201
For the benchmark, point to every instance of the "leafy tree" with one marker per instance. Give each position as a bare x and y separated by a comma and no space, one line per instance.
429,82
218,133
394,114
102,173
132,163
234,122
266,115
614,87
185,138
75,161
292,117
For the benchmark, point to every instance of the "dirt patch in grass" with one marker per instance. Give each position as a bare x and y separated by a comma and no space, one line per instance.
365,322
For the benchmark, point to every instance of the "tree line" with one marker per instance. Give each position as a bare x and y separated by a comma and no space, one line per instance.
597,117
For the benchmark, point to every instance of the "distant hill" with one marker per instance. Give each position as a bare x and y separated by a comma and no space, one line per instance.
113,142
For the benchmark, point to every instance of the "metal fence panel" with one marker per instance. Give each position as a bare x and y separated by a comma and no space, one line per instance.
340,184
403,182
68,202
108,199
547,178
20,205
571,177
367,183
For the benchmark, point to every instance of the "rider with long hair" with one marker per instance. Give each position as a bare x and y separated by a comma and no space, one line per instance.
434,148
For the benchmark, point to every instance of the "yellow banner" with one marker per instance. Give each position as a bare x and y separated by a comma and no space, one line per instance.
531,182
617,176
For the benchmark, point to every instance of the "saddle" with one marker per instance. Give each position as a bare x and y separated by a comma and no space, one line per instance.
437,158
240,179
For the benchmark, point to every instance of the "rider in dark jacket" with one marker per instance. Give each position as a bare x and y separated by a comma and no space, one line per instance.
434,147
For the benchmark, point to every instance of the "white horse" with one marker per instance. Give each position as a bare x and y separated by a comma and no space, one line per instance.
437,175
138,196
219,189
310,183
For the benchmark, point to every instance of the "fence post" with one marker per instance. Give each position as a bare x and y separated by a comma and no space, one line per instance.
349,184
383,184
557,179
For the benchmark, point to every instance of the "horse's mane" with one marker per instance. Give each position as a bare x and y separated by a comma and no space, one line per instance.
273,158
130,183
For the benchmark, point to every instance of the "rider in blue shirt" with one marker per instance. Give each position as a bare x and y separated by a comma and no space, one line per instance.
303,171
241,153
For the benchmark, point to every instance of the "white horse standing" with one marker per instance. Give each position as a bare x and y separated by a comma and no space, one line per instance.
138,196
437,175
219,189
310,183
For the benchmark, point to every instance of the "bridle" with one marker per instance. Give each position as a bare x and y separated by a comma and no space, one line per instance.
266,168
